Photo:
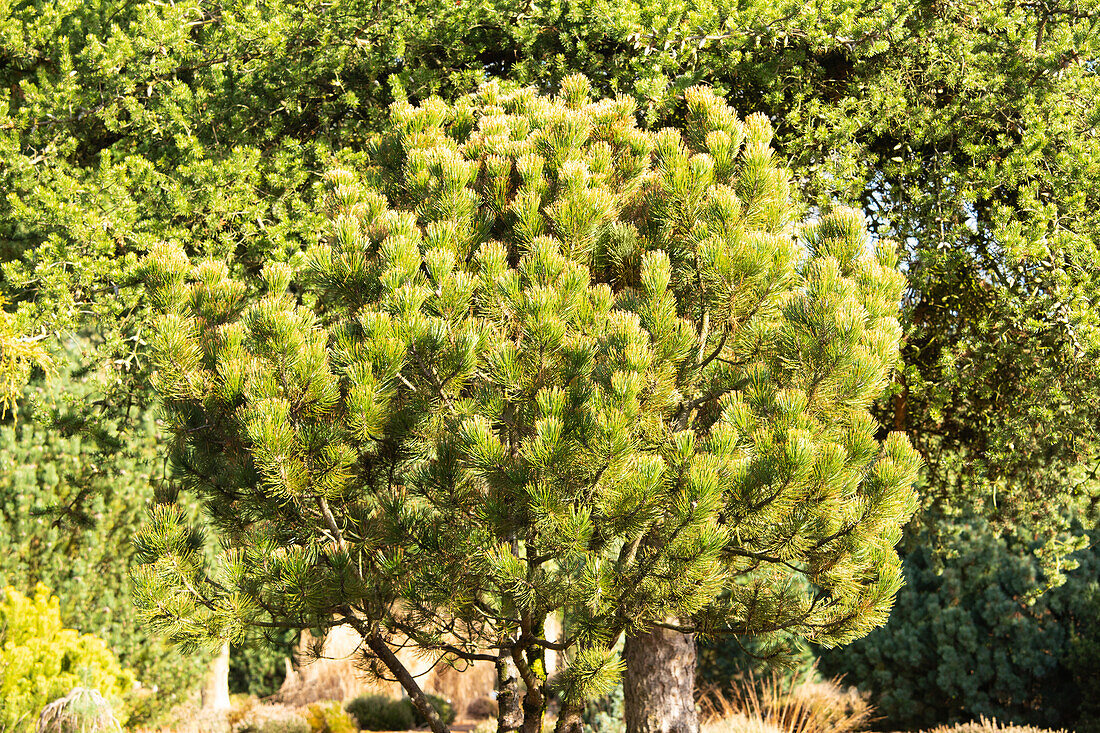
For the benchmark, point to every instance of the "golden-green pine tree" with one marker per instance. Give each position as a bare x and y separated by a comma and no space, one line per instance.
543,361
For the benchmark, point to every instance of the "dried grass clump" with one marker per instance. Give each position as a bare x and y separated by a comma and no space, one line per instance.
189,717
329,682
990,725
81,711
256,717
772,705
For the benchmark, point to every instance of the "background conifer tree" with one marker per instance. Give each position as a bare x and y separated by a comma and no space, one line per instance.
542,361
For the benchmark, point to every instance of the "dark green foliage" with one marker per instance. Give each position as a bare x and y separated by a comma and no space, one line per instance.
259,667
382,712
605,714
71,497
964,640
725,662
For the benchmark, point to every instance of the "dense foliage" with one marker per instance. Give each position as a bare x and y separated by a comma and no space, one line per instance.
965,129
382,712
964,639
962,129
70,502
41,660
544,360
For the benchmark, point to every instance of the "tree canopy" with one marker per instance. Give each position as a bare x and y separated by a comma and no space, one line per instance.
963,129
966,130
543,361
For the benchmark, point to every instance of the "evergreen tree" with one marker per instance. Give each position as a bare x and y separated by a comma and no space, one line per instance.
542,361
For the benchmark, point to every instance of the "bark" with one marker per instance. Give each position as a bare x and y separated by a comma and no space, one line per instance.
509,714
569,719
659,685
382,650
534,698
215,688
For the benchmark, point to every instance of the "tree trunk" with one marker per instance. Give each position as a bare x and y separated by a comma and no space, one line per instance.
215,688
509,714
569,719
659,686
382,650
534,696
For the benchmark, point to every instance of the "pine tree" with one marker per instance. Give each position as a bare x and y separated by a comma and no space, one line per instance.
542,361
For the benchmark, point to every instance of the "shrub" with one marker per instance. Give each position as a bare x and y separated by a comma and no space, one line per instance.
381,712
40,661
81,711
482,707
250,716
286,724
329,717
965,640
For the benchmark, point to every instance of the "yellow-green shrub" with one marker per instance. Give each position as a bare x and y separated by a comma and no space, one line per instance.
40,660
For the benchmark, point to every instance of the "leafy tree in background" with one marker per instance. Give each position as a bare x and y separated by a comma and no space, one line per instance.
961,128
544,361
965,129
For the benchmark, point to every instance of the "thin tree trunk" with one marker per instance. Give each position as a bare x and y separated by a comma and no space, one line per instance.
569,719
509,714
215,688
533,672
659,685
382,650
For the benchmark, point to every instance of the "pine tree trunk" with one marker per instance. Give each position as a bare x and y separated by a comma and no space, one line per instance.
215,688
569,720
382,650
534,697
659,686
509,714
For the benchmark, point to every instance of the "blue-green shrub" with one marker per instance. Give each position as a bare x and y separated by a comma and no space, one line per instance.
967,638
